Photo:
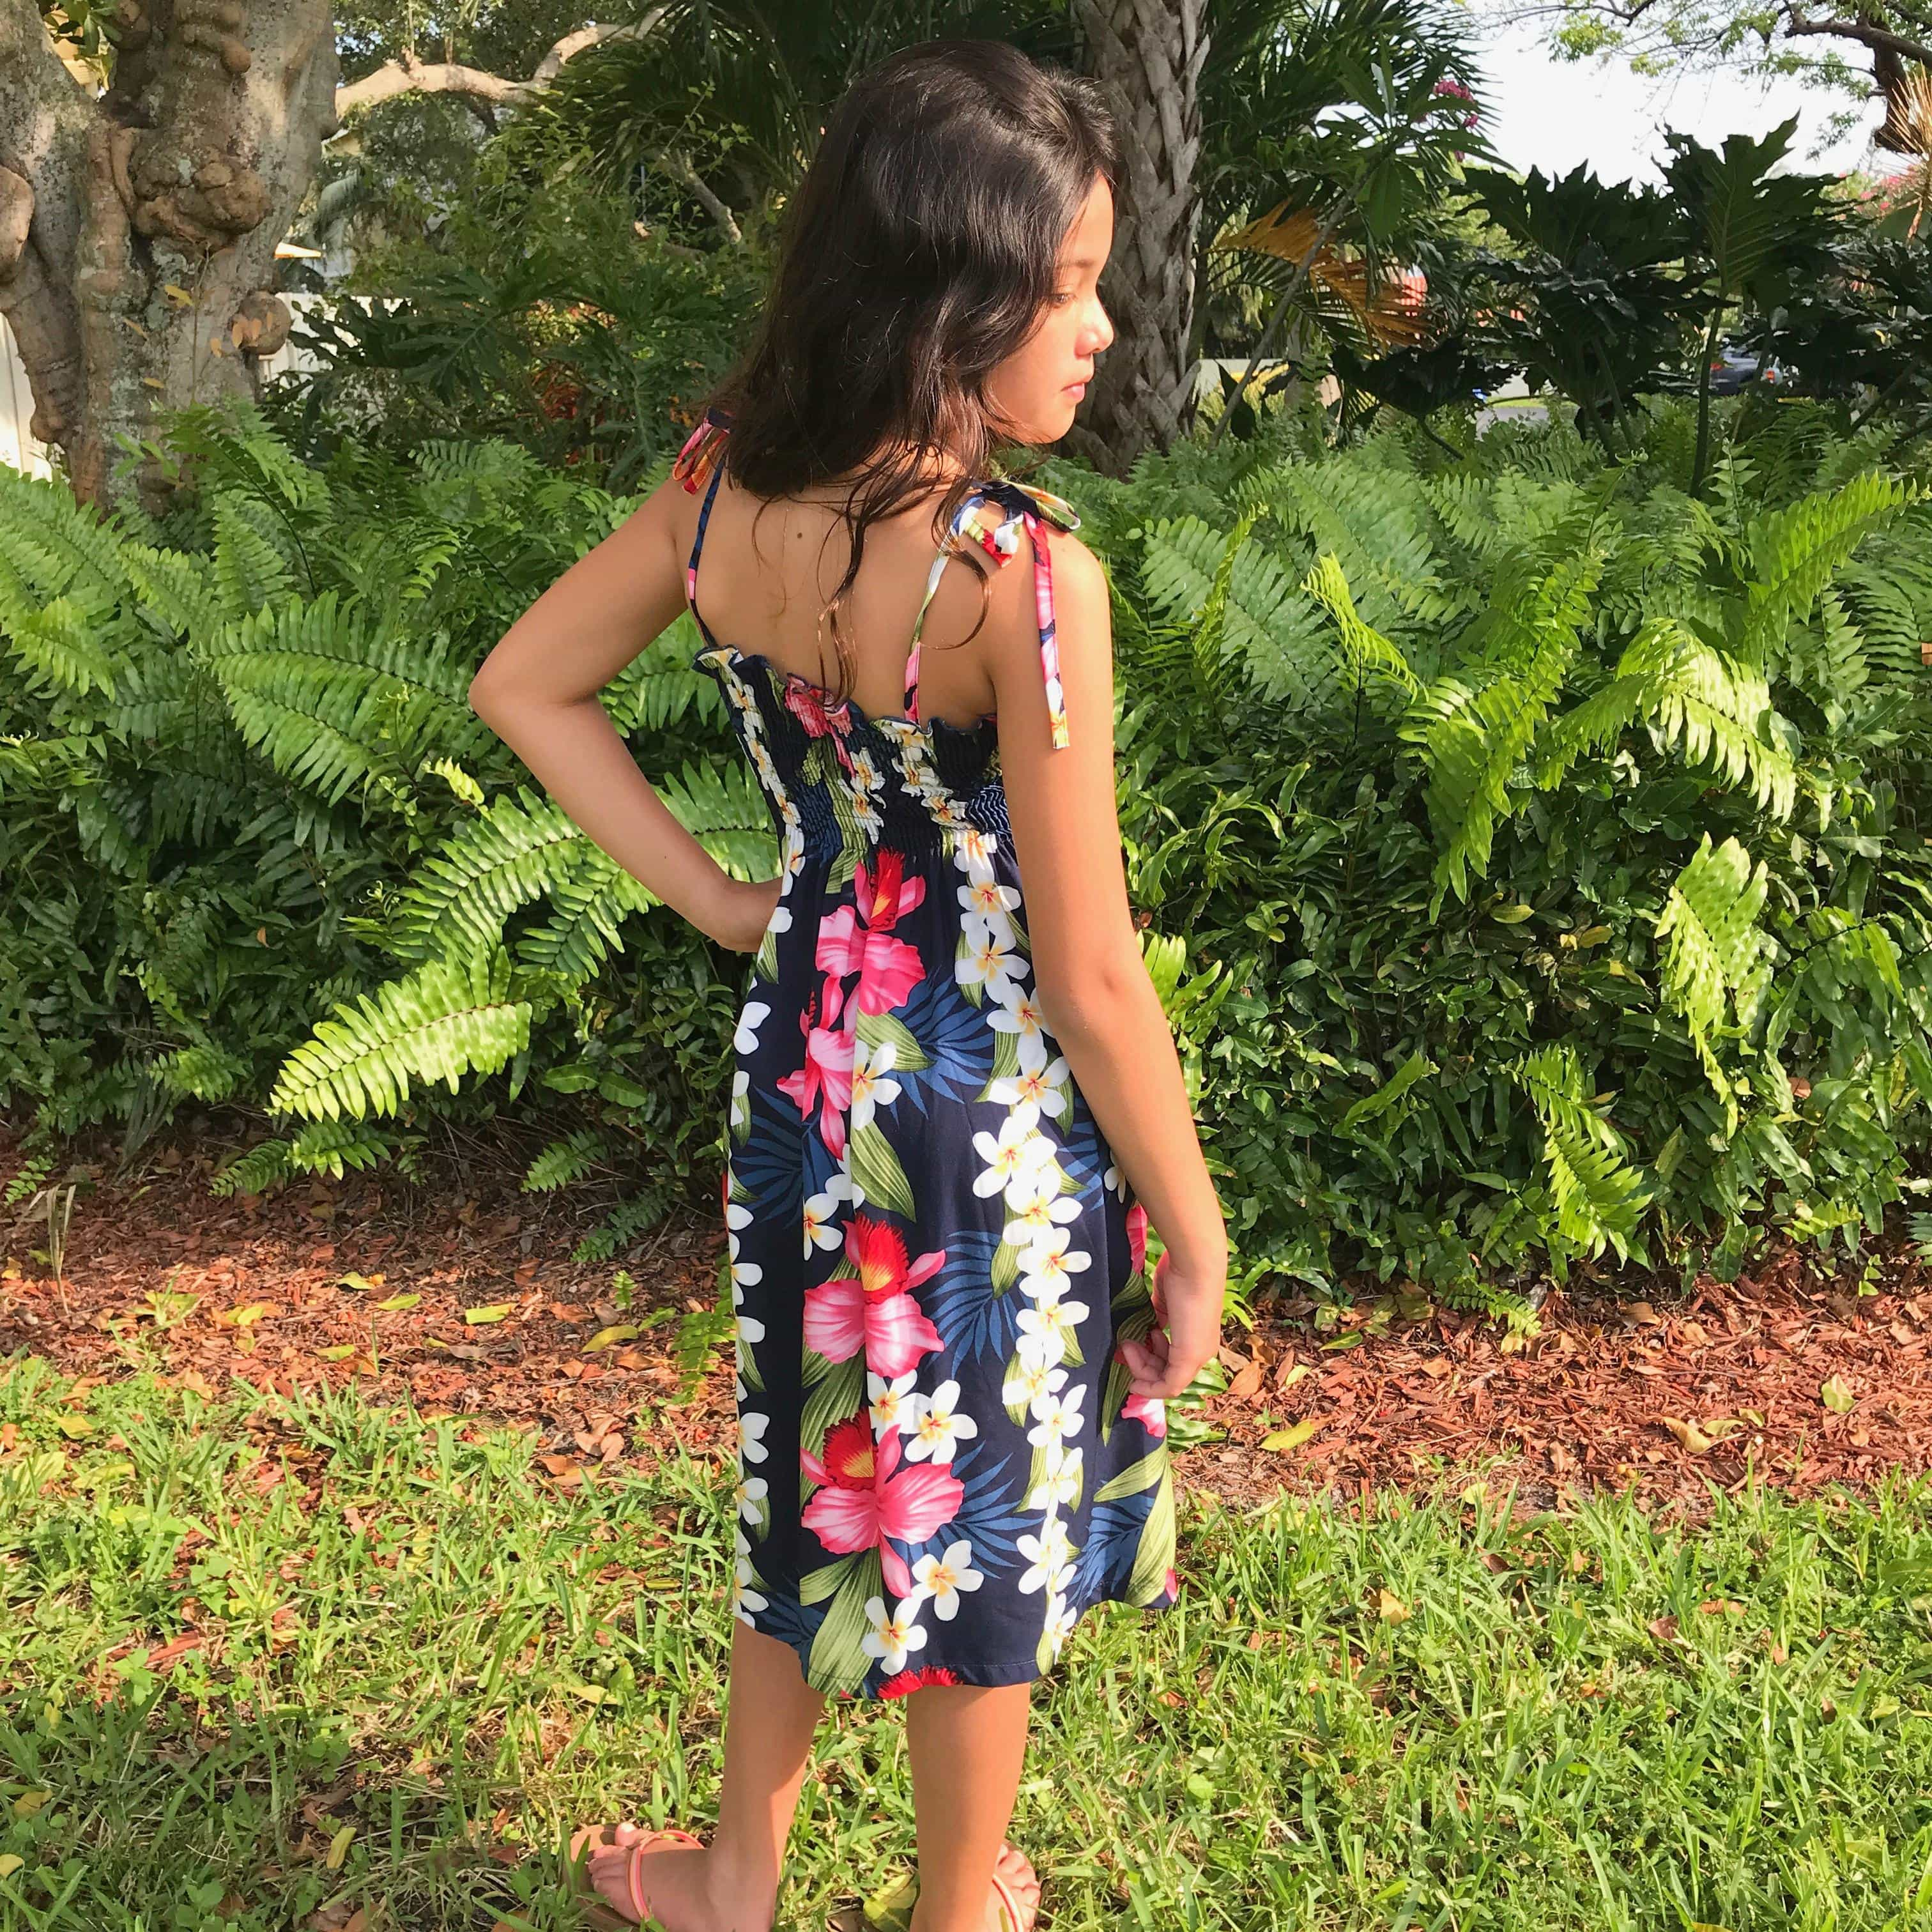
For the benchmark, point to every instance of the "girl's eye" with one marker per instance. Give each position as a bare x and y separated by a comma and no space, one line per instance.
1062,297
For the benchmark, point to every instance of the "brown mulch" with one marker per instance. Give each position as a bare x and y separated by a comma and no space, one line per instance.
1795,1382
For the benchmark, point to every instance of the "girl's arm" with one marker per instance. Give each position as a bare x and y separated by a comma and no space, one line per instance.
1092,982
537,690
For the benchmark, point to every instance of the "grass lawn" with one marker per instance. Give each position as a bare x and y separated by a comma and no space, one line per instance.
264,1664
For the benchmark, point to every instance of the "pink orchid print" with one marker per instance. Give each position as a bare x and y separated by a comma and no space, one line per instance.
873,1310
858,938
825,1080
807,703
871,1497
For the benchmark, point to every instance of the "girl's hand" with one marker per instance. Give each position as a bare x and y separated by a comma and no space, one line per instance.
745,910
1185,1335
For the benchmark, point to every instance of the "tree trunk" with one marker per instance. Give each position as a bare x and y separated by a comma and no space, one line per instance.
1147,55
138,229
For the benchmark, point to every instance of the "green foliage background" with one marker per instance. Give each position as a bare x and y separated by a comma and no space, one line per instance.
1534,853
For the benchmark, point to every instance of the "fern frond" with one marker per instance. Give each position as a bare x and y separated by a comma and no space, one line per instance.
565,1161
1476,728
1795,553
1367,653
1710,921
516,850
248,570
1690,694
333,1146
1598,1196
447,1018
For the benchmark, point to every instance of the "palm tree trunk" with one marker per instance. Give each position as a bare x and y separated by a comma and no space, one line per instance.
1147,55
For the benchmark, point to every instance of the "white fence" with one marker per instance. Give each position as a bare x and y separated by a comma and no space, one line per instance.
17,445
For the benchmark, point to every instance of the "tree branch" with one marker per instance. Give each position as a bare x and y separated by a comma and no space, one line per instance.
1879,39
679,168
406,74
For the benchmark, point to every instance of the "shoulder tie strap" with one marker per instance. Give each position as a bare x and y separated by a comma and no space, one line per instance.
700,458
992,516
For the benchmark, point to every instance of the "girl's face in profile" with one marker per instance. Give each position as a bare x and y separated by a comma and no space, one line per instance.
1035,390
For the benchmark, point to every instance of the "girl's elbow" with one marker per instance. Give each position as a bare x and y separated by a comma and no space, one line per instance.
1091,998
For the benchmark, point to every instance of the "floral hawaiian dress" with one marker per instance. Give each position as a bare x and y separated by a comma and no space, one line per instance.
933,1251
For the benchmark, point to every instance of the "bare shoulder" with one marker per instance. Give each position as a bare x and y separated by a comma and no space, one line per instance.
1080,607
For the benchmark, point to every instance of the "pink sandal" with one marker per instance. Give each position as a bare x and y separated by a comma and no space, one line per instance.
892,1912
599,1837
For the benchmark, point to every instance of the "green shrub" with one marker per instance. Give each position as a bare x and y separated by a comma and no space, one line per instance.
256,849
1549,845
1559,837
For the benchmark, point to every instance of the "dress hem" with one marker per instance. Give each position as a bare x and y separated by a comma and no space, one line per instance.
986,1676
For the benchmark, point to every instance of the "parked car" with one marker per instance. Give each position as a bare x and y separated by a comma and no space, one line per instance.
1734,365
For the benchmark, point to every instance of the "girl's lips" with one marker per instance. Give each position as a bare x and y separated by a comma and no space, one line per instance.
1076,390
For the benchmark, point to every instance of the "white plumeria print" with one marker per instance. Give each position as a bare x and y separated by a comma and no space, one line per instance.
989,960
889,1398
751,1491
1025,1225
1019,1012
1045,1329
751,1432
1058,1418
1060,1619
870,1089
892,1637
1016,1155
745,1600
1058,1488
941,1579
745,1039
1050,1263
823,1229
1045,1555
1045,1086
933,1425
989,899
747,1331
1030,1379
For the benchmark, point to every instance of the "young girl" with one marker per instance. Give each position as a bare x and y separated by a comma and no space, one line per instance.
957,1103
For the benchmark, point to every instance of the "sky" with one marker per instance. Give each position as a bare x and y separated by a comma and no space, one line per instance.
1552,114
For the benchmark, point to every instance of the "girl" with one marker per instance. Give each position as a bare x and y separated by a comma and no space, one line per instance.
957,1103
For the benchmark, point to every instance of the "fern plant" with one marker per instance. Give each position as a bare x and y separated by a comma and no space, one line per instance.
259,851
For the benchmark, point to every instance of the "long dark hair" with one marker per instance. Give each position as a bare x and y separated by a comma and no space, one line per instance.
918,253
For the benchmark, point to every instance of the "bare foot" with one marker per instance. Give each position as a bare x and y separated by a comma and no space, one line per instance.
679,1885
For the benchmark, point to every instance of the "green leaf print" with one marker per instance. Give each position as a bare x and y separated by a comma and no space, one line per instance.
838,1661
747,1363
878,1030
815,1585
832,1398
1136,1477
765,966
974,990
877,1171
1156,1556
1119,1376
1006,1269
1005,1062
1036,1475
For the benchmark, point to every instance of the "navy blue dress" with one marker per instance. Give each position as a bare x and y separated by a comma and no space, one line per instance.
933,1250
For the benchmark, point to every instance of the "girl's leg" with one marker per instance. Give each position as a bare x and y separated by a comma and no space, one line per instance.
732,1885
773,1715
966,1745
